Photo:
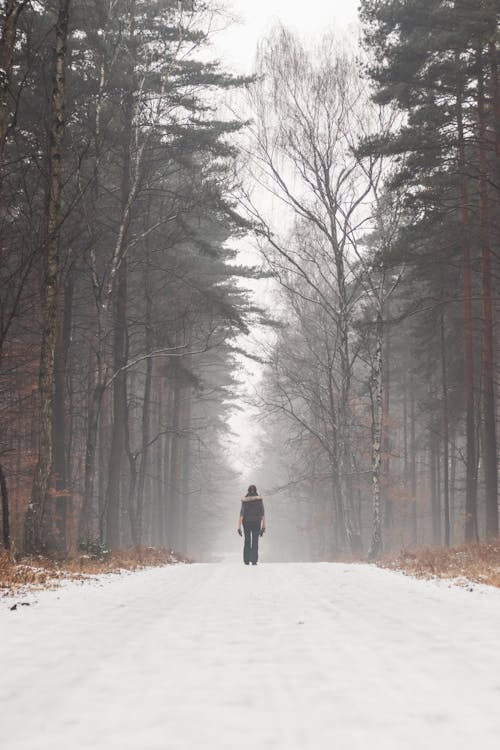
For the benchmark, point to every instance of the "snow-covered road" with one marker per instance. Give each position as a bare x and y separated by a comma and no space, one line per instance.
281,657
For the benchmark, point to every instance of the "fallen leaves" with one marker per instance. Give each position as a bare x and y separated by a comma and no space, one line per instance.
31,573
479,563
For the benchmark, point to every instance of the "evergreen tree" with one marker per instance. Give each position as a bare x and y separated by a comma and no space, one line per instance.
435,61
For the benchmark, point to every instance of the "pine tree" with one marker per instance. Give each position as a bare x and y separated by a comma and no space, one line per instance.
430,62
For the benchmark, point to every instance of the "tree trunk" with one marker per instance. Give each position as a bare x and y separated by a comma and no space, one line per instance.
435,483
87,527
119,268
453,475
120,415
471,460
185,423
36,534
377,413
146,401
173,509
340,529
405,434
185,469
87,530
488,365
445,430
132,489
63,497
413,463
144,462
161,460
385,431
102,464
5,510
344,453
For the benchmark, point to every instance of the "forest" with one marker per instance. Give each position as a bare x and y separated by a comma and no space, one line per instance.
133,168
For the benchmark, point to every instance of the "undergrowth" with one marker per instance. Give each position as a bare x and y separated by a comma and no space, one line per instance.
35,572
479,563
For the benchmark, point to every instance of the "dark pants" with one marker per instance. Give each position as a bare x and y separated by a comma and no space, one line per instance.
251,548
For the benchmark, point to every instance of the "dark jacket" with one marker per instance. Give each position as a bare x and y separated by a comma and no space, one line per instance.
252,508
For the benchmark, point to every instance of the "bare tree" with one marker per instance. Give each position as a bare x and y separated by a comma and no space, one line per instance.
311,108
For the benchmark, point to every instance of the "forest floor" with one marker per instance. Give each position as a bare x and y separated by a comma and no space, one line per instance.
37,572
297,656
477,563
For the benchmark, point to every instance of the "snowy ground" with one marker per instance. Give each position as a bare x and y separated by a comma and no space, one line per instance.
281,657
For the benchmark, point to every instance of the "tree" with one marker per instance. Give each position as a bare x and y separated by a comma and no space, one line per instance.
36,537
310,112
145,301
434,69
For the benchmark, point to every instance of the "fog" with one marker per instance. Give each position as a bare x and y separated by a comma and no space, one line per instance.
247,245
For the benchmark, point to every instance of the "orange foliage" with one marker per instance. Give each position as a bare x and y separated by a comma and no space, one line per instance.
40,572
479,563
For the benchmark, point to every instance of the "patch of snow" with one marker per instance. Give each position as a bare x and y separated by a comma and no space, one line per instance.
278,656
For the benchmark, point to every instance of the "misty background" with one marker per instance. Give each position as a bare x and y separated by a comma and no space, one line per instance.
248,244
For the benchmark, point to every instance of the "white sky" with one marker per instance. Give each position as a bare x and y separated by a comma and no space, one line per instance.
236,45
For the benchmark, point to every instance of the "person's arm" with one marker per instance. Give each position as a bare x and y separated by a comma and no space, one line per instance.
263,519
240,520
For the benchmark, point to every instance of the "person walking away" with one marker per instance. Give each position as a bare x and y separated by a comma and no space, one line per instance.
253,519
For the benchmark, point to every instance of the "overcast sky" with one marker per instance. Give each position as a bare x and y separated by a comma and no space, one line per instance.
236,45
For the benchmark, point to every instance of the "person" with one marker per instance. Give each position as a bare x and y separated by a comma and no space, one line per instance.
253,519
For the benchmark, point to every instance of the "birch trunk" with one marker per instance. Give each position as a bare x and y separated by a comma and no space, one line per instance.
340,532
377,407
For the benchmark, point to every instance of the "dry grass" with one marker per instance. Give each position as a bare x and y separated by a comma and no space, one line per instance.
479,563
30,573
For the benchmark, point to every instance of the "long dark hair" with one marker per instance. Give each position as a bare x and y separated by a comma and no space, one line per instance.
252,490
